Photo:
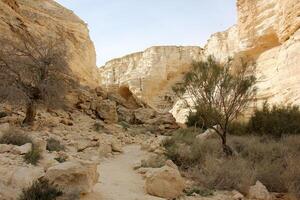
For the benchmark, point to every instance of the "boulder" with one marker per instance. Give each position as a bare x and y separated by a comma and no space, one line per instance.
125,114
4,127
165,182
107,110
74,175
142,115
259,192
116,146
23,177
21,150
209,133
4,148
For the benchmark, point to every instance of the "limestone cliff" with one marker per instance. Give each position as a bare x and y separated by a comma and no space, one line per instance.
267,32
44,17
150,74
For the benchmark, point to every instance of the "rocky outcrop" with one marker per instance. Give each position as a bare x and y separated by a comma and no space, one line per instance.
165,182
40,16
150,74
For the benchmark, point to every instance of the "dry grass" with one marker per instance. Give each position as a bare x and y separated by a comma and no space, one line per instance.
273,162
15,137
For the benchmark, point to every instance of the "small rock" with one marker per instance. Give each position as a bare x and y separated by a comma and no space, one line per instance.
237,195
66,122
259,192
21,150
116,146
4,148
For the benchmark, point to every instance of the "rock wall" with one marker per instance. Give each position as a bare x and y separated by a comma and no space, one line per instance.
44,17
267,32
150,74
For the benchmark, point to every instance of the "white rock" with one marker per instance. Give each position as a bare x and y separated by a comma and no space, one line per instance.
24,176
4,148
74,175
165,182
22,149
259,192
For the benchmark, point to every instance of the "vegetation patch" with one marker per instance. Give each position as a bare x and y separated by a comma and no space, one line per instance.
15,137
33,156
40,190
54,145
273,162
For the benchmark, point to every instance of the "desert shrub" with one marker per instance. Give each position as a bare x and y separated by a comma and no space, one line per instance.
34,155
292,175
40,190
273,162
98,126
15,137
226,174
185,150
238,128
194,120
276,120
155,161
54,145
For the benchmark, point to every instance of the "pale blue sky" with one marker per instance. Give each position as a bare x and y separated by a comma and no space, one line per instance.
120,27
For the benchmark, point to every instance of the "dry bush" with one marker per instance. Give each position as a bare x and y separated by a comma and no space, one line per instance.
33,156
273,162
154,161
54,145
40,190
15,137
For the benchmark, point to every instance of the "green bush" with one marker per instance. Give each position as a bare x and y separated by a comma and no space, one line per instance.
15,137
54,145
40,190
194,120
34,155
276,120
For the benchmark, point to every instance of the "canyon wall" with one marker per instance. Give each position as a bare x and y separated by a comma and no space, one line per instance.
267,32
46,17
151,74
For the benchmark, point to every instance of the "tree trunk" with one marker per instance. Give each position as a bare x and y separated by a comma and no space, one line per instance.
30,113
226,149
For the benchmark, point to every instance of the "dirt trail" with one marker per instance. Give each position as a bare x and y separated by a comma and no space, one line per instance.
118,180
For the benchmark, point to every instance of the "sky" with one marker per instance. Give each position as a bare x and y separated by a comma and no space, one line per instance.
121,27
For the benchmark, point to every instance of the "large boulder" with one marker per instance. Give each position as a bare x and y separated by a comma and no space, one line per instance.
165,182
142,115
125,114
74,175
259,192
107,110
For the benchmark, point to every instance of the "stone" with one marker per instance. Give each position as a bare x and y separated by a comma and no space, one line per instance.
259,192
3,114
237,195
209,133
4,148
165,182
171,164
4,127
116,146
125,114
107,110
23,177
21,150
74,175
67,122
142,115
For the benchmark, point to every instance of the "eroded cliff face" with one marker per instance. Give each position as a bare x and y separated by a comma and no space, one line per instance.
267,32
151,74
44,17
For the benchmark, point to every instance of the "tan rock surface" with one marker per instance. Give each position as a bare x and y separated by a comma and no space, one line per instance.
39,17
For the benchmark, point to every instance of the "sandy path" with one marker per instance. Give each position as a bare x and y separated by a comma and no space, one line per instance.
118,180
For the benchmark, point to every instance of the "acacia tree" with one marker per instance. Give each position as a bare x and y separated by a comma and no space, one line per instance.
218,93
33,71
